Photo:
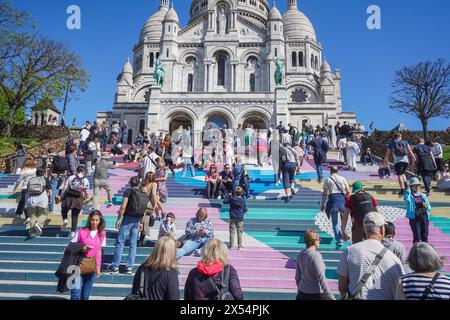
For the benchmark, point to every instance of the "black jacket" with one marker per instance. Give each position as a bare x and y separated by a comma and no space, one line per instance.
158,285
72,257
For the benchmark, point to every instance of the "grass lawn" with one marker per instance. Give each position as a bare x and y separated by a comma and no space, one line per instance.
7,144
447,153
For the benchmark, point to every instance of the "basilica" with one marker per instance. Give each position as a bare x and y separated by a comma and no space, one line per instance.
219,71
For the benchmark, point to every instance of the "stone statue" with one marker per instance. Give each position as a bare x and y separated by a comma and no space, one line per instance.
222,18
160,73
279,72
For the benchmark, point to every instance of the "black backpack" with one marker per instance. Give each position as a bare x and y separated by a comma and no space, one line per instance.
60,164
363,205
138,201
222,286
400,149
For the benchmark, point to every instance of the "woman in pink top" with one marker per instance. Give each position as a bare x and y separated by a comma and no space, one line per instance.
93,236
212,182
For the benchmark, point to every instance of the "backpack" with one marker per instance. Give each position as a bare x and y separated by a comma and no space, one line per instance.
222,286
138,201
76,187
363,205
400,149
419,201
60,164
36,185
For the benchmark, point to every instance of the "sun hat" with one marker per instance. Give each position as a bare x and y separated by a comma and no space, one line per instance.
414,182
357,187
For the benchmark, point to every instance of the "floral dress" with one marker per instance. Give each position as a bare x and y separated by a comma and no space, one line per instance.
161,185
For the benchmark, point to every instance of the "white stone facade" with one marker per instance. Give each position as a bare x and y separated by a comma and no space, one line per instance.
221,70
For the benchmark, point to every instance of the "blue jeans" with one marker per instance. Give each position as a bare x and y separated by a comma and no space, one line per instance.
187,164
319,170
128,228
189,247
82,147
83,287
56,184
335,206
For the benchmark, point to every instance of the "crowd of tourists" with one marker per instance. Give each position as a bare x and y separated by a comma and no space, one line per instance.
375,267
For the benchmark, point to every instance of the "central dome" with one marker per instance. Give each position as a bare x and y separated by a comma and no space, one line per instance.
297,26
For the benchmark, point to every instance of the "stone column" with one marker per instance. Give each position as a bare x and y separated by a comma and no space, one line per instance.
281,107
154,108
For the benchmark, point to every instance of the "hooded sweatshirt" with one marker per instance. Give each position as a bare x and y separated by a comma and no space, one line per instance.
199,286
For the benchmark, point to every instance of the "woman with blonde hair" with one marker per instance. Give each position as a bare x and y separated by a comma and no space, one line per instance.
202,281
160,273
28,172
310,271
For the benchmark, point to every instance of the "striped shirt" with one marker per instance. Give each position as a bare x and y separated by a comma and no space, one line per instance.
355,261
414,286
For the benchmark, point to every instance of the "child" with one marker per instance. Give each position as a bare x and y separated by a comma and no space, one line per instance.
167,227
238,207
417,210
384,171
393,245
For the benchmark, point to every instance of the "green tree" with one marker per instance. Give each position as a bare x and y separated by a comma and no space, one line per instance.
32,67
424,91
19,116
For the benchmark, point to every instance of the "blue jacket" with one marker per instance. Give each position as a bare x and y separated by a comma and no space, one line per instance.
411,205
238,207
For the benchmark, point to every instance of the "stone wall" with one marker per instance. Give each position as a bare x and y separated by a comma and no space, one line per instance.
379,139
39,132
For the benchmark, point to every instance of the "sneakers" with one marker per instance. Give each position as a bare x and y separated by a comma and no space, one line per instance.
219,197
129,271
65,224
27,221
72,235
113,271
197,253
38,230
109,205
240,248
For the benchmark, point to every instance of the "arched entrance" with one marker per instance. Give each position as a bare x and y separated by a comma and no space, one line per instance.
180,119
258,121
217,120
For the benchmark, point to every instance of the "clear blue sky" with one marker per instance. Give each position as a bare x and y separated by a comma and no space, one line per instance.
412,30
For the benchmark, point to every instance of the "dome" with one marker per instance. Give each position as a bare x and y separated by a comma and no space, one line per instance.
275,13
325,67
153,27
127,68
297,26
172,16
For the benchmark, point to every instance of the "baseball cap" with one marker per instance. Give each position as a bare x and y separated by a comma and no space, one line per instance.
374,219
414,182
357,187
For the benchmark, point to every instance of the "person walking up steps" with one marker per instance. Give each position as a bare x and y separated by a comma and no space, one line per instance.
73,196
101,179
400,151
417,210
238,208
358,205
28,171
57,175
320,149
336,187
129,223
158,273
426,164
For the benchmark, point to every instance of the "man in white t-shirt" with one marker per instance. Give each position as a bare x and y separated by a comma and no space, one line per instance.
149,164
357,259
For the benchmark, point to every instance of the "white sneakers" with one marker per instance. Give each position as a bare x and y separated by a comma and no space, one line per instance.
65,224
38,230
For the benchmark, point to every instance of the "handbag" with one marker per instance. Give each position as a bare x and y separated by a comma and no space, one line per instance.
88,265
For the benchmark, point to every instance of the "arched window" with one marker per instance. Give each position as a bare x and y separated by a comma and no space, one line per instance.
221,71
190,87
275,27
157,55
252,83
152,59
300,59
312,61
167,53
169,28
316,63
141,126
276,52
294,59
